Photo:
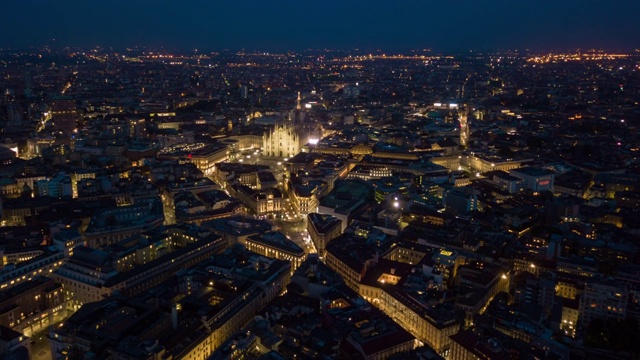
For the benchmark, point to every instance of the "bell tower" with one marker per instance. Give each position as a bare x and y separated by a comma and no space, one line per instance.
464,119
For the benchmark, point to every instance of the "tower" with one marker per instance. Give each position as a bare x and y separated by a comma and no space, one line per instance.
15,118
63,113
297,115
464,125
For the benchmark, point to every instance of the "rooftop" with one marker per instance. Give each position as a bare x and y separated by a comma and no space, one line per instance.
323,223
278,240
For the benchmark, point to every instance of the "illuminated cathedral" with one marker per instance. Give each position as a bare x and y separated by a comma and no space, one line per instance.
287,137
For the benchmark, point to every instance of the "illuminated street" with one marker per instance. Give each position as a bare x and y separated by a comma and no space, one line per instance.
297,232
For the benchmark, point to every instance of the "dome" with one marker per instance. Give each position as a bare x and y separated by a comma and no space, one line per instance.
361,149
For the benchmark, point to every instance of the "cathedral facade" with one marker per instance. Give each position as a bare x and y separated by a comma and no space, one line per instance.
287,137
282,141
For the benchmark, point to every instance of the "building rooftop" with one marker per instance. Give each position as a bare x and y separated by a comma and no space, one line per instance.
239,225
348,195
277,240
323,223
532,171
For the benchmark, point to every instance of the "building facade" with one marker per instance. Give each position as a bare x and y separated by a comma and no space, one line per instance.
276,245
33,306
282,141
322,229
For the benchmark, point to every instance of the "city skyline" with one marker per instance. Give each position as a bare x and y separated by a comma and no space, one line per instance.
283,25
264,180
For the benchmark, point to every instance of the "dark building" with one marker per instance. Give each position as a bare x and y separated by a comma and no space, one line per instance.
64,114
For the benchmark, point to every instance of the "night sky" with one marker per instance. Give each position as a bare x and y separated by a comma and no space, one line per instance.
445,25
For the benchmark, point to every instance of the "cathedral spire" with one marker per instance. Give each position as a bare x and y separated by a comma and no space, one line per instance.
299,104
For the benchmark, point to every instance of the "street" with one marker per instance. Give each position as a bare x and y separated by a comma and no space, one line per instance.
40,347
297,232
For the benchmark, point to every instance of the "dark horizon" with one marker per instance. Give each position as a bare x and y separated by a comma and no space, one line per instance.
282,51
282,25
